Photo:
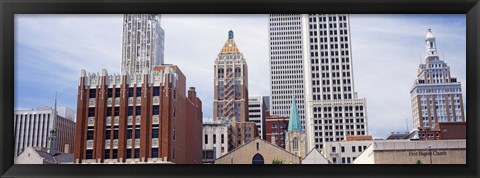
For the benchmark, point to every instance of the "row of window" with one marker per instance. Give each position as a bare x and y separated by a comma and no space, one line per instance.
92,92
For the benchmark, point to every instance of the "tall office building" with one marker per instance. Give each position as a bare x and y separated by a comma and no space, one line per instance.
257,107
310,57
32,128
436,96
144,118
143,42
230,83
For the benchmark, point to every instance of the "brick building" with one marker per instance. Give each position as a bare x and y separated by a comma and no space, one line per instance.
131,118
276,127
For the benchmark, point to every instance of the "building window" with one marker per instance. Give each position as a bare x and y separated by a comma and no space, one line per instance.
91,112
115,153
90,135
130,92
333,150
155,132
109,93
206,139
343,160
89,154
334,160
108,134
138,110
343,149
130,110
115,134
156,91
129,133
137,133
117,92
222,137
92,93
137,153
156,110
295,143
258,146
109,111
107,154
214,139
353,149
154,152
139,92
129,153
117,111
348,160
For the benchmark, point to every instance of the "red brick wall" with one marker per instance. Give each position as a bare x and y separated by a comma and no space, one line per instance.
269,121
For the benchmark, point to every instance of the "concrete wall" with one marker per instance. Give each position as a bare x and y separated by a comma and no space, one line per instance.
439,156
245,153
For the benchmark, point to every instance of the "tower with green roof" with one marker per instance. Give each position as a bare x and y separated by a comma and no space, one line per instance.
295,141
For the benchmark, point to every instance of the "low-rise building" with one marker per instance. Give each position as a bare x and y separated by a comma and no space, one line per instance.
275,129
315,157
414,152
39,155
258,151
344,152
216,141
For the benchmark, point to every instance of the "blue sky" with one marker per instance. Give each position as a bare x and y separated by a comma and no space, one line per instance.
50,51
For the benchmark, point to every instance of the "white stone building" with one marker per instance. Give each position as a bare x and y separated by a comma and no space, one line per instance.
310,57
256,112
142,43
436,96
215,141
344,152
32,127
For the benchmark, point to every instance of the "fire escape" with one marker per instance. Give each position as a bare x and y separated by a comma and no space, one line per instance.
229,92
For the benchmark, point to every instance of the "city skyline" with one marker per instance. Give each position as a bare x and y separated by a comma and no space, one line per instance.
42,54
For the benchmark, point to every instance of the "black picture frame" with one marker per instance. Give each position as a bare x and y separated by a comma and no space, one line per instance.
8,8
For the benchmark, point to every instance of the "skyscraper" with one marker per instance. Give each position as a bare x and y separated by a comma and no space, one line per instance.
143,42
436,96
231,83
310,58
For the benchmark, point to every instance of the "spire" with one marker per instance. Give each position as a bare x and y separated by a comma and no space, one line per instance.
52,139
430,46
294,123
230,47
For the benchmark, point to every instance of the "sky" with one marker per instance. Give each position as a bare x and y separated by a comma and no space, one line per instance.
50,51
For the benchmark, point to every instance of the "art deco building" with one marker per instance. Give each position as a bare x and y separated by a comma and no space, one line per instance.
32,129
143,42
142,118
310,57
216,140
436,96
230,83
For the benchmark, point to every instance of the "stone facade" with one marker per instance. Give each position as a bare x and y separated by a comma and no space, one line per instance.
216,141
295,142
260,149
412,152
345,152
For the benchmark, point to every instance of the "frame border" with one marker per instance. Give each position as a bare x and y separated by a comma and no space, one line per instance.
8,9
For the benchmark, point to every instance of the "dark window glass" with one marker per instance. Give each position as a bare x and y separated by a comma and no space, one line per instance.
156,91
130,110
156,110
137,153
129,133
108,134
139,91
206,139
117,111
109,111
353,148
92,93
130,92
155,133
115,134
90,135
89,154
129,153
137,133
91,112
107,154
138,110
109,93
115,153
154,152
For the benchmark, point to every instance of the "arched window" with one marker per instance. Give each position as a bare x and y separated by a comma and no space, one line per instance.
295,143
257,159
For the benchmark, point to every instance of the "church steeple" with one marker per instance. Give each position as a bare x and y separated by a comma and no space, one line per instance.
294,123
430,46
230,47
52,139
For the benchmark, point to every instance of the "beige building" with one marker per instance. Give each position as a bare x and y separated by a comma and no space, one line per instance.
258,151
414,152
315,157
39,155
